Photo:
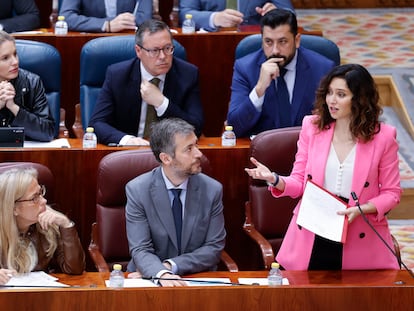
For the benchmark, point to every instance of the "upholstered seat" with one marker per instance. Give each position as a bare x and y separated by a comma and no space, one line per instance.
267,218
318,44
44,60
109,242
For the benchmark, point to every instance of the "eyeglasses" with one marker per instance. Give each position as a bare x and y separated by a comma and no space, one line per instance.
36,197
167,50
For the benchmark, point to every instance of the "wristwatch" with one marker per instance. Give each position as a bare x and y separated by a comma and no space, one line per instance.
276,180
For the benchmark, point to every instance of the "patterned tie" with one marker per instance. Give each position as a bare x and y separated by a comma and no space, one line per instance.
177,209
282,96
231,4
151,113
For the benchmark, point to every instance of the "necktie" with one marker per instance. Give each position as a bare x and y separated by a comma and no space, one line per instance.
231,4
177,209
283,102
151,113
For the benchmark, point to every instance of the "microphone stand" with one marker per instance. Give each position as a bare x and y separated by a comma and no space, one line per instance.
355,198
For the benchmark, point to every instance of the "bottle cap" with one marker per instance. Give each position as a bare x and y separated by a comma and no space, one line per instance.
228,128
61,18
90,129
275,265
188,16
117,266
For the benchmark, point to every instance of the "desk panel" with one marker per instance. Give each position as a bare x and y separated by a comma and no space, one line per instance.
75,172
322,290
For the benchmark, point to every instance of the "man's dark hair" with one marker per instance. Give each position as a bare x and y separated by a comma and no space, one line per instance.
151,26
278,17
163,133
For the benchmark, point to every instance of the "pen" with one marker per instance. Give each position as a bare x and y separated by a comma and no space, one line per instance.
119,145
135,8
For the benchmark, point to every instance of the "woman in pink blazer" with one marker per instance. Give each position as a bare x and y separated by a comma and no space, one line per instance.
344,148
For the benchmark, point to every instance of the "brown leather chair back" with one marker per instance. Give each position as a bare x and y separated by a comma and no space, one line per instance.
114,172
271,216
45,176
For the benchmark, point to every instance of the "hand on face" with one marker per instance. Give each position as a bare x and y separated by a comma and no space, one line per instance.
51,216
268,72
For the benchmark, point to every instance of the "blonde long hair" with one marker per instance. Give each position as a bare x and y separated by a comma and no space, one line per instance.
13,247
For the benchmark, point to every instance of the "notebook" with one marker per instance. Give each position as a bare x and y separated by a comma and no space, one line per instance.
11,137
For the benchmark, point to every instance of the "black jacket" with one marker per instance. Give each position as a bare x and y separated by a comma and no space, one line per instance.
34,114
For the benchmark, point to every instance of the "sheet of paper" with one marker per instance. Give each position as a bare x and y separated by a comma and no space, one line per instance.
33,279
317,213
56,143
135,283
259,281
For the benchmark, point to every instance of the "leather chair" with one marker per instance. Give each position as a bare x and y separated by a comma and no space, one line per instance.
267,218
109,242
44,60
96,56
45,176
318,44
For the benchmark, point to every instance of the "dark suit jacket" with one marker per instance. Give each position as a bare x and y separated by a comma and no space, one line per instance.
151,230
118,107
245,118
19,15
90,15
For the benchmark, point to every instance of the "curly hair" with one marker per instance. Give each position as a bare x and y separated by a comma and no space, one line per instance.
365,107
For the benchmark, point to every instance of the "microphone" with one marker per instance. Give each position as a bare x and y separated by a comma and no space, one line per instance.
364,217
153,278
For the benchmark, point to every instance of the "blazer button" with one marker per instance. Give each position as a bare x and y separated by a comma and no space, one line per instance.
362,235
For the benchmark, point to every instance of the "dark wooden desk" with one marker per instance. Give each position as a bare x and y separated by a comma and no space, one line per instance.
75,172
317,290
212,53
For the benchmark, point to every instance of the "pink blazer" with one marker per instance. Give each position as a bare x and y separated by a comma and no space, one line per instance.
376,179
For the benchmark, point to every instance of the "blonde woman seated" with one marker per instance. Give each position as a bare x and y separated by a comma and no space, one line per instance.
33,236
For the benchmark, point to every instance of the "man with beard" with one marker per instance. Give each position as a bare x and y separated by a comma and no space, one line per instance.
164,244
154,85
256,104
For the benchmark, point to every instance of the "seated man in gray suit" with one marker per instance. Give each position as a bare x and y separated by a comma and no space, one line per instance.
104,15
163,243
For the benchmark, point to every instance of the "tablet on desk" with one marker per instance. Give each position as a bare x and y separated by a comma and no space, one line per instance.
11,137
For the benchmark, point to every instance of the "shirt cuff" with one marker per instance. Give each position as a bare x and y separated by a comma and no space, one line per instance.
256,101
161,109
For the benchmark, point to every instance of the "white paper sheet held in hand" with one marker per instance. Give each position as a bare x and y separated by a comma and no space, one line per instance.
317,213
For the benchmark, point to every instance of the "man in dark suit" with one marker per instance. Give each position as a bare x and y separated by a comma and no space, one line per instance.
120,114
105,16
255,104
160,246
18,15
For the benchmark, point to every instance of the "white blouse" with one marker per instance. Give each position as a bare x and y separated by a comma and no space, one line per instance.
338,176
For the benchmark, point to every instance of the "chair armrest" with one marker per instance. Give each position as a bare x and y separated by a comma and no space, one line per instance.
95,253
265,247
228,262
396,249
77,124
63,130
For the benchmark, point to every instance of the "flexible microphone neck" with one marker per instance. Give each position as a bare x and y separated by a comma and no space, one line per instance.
154,278
364,217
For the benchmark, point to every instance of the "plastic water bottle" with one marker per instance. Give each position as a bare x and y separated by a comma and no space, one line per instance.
116,279
61,27
228,138
275,277
188,24
89,138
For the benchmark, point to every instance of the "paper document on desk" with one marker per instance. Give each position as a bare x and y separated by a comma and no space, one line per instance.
259,281
33,279
209,282
317,213
135,283
56,143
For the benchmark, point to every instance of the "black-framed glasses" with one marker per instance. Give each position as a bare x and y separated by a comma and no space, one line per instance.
36,197
167,50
